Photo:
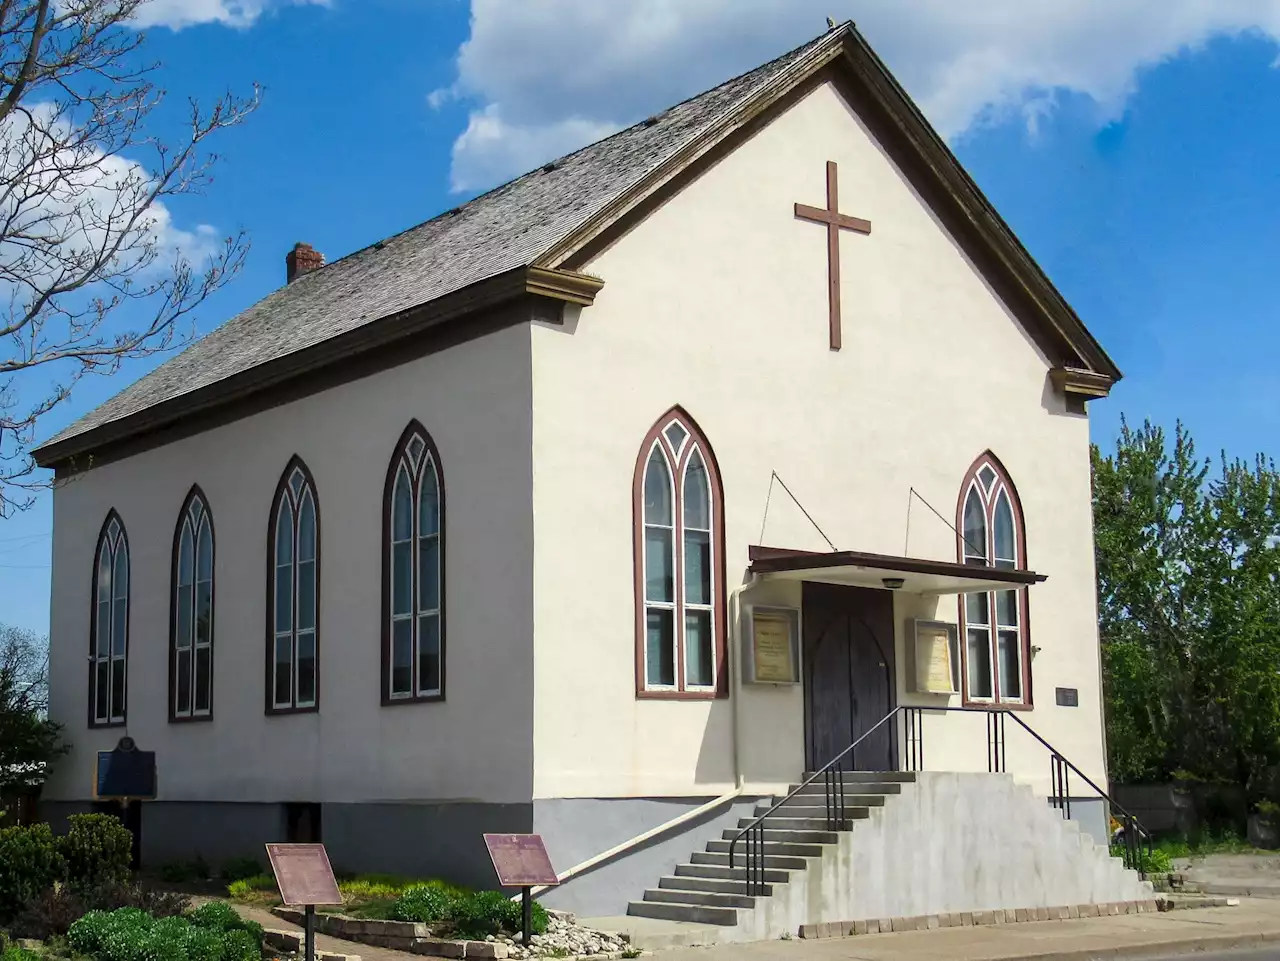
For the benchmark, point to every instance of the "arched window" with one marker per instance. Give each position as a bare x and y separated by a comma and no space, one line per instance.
679,563
413,583
109,626
996,651
191,625
293,594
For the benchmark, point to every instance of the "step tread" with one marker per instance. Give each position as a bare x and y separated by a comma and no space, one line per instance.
902,777
776,832
790,862
718,899
717,885
771,874
771,849
698,913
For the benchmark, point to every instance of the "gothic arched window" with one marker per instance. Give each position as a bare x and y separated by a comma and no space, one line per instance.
679,563
109,627
191,627
996,648
413,585
293,594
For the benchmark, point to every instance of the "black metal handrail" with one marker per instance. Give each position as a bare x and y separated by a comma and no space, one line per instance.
1135,837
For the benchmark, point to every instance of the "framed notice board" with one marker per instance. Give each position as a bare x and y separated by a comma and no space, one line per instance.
936,651
772,645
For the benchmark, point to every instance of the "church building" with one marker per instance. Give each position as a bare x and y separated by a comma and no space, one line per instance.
608,506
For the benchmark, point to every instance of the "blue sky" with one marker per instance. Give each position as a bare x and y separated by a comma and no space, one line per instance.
1143,178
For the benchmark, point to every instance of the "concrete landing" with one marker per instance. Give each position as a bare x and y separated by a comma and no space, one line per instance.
1234,875
654,934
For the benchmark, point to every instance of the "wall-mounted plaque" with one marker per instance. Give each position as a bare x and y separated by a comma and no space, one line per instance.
521,860
1068,697
773,645
935,657
303,874
125,773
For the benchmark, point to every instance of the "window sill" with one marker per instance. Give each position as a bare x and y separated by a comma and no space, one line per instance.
993,706
681,695
106,725
419,699
313,709
193,719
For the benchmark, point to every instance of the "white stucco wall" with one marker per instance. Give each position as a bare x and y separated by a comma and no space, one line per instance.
718,302
476,745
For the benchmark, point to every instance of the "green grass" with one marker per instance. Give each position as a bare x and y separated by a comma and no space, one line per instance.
1199,845
363,895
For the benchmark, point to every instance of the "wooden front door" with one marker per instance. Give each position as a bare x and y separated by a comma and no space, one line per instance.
849,678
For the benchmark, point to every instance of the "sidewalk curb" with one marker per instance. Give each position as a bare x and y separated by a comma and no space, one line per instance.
1223,942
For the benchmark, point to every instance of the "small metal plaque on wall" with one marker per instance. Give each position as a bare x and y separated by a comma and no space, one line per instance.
1068,697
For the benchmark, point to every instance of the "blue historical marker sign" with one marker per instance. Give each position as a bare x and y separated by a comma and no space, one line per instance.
125,773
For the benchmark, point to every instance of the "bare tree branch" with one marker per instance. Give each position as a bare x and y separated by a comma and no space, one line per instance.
92,270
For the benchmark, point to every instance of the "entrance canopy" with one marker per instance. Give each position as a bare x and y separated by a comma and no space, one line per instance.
856,569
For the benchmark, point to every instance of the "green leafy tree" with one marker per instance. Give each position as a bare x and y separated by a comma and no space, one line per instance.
29,741
1189,609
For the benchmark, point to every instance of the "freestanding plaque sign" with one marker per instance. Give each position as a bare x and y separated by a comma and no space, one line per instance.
521,861
305,879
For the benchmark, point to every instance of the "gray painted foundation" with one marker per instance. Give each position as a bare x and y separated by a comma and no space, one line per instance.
427,840
576,829
421,840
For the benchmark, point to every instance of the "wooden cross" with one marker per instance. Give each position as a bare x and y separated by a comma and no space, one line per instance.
835,222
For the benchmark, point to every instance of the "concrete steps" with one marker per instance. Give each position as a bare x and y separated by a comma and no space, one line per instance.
808,869
708,891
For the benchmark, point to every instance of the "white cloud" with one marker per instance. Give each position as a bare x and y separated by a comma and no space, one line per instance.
177,14
548,75
491,147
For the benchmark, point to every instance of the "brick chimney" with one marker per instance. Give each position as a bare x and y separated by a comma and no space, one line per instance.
302,260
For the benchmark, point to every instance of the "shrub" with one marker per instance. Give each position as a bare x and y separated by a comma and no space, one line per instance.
490,912
29,864
86,935
220,916
98,850
240,945
213,933
238,869
204,944
50,913
425,902
13,952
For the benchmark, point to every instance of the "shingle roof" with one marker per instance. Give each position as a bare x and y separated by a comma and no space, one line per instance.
508,227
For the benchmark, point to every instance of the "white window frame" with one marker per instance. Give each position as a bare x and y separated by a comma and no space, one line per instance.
194,524
115,544
989,498
415,470
677,460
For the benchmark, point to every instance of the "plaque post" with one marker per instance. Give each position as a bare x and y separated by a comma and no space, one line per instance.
520,861
309,932
526,906
305,879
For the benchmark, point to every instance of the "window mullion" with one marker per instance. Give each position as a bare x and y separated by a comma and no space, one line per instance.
415,507
295,577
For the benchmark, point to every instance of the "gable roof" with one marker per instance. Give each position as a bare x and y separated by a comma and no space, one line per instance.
515,240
